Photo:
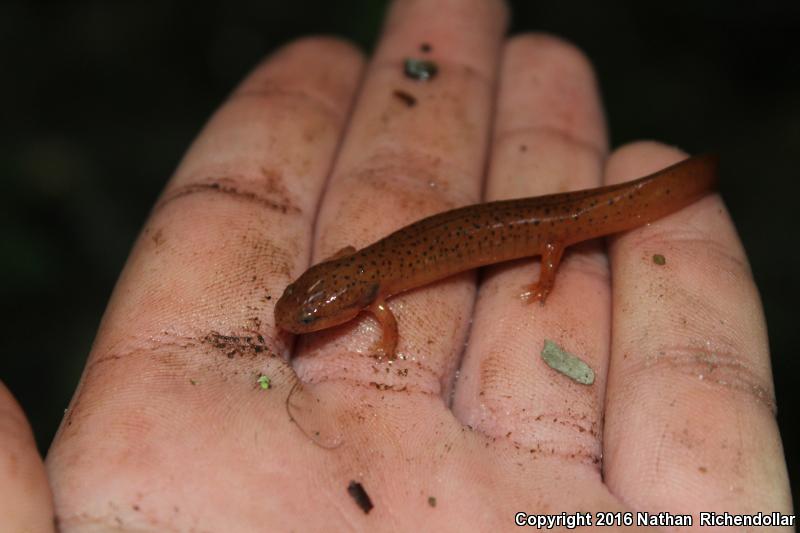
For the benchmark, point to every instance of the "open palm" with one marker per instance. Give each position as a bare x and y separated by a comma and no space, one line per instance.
195,413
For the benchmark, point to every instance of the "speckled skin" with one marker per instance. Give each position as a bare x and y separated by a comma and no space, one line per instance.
336,290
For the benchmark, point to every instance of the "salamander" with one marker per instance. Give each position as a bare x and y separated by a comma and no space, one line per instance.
338,289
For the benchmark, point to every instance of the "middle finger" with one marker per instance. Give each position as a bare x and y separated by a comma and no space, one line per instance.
414,148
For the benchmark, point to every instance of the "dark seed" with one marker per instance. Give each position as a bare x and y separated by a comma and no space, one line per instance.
357,492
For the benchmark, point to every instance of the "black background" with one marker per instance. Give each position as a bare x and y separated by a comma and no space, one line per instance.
100,99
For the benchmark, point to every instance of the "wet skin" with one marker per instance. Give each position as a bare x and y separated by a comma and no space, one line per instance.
337,290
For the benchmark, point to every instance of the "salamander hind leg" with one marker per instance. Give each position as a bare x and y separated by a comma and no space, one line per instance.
388,344
551,257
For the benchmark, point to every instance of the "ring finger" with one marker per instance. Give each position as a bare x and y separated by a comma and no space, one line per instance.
549,137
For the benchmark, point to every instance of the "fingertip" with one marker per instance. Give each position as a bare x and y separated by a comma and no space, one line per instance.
329,64
555,47
321,46
555,78
639,158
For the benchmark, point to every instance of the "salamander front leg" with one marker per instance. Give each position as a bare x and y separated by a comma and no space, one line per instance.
388,343
347,250
551,257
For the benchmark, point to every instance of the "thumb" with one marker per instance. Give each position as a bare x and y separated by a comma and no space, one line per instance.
26,503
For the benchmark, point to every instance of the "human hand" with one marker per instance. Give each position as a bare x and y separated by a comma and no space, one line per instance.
171,430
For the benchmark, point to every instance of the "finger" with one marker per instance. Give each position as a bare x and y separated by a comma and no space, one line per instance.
549,137
26,503
690,399
189,331
406,157
259,167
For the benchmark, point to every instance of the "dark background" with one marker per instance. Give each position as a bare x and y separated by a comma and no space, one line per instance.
100,99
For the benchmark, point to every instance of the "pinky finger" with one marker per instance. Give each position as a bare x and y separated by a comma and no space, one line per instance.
690,419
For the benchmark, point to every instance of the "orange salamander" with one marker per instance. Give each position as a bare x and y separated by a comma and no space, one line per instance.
339,288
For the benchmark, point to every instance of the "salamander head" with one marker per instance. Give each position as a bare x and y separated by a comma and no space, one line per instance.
318,301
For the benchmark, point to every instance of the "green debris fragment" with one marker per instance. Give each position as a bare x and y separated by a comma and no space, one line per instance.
568,364
193,381
420,69
659,259
263,381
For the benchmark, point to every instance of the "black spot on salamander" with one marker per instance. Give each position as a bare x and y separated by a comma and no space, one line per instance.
536,222
611,201
667,191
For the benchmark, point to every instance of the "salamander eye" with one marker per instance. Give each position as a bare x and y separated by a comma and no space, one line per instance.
307,317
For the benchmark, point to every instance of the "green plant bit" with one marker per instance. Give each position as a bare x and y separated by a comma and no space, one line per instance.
420,69
659,259
568,364
263,381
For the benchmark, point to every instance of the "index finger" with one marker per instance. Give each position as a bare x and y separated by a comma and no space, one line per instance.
189,329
